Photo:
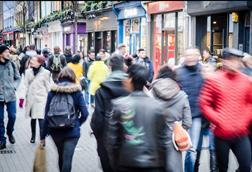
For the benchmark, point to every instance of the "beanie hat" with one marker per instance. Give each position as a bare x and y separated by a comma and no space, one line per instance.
229,52
3,48
41,59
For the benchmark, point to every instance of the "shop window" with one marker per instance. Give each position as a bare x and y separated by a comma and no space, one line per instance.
157,38
135,25
143,33
180,35
169,21
126,24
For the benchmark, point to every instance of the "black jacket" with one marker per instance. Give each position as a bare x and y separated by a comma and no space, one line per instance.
110,89
137,132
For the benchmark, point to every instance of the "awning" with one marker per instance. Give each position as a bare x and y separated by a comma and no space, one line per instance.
11,30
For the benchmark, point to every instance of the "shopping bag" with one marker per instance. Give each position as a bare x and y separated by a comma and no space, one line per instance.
180,138
40,160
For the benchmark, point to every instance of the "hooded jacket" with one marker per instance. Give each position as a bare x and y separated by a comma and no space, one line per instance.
80,106
110,89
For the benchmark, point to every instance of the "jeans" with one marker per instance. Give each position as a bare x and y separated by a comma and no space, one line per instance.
132,169
195,135
65,149
241,149
87,95
92,99
11,109
209,133
33,127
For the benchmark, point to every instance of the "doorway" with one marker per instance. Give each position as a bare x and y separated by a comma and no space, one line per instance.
168,48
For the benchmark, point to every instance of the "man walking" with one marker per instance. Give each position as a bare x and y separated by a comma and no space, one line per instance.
10,79
137,135
56,63
110,89
190,79
226,100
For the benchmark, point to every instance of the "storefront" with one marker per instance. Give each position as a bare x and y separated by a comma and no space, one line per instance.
167,31
220,24
102,30
69,36
132,25
8,38
55,32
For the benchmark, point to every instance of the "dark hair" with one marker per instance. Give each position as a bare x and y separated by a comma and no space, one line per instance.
38,51
91,51
67,74
116,62
76,59
166,72
139,75
140,49
32,47
102,50
98,58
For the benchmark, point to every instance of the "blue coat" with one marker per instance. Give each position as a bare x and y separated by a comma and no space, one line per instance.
80,106
191,81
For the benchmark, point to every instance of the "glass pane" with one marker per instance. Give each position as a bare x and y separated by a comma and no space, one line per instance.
169,21
180,35
135,25
157,34
126,40
143,32
230,33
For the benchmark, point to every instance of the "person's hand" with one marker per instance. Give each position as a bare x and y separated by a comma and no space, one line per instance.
21,103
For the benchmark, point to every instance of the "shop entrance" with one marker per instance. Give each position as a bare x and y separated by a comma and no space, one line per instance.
168,48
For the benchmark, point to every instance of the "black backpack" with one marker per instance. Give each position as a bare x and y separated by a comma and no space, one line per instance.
62,114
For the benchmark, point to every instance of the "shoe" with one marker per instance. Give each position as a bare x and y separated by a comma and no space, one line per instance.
32,140
2,146
11,139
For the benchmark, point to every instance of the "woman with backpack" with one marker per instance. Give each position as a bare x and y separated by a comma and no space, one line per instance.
65,112
36,85
166,89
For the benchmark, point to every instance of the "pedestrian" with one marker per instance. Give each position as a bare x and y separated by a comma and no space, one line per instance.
46,54
166,89
110,89
102,53
76,66
25,60
32,51
121,49
144,60
14,56
56,63
68,54
65,133
86,64
190,79
36,87
137,135
97,73
10,79
226,102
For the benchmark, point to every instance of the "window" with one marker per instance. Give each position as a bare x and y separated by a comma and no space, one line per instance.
143,33
157,38
180,32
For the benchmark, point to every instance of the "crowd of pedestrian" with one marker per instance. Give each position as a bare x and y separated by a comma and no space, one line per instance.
141,121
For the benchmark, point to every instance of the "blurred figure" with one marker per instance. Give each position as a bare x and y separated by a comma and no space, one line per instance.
121,49
68,54
65,138
166,89
145,61
56,63
247,61
14,57
137,136
190,79
208,58
76,66
86,64
46,54
102,54
9,82
225,101
38,51
110,89
97,73
31,51
36,88
25,59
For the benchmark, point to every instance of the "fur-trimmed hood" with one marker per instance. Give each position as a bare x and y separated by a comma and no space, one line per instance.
65,87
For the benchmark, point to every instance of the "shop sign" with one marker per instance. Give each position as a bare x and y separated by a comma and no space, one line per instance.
130,12
235,17
164,6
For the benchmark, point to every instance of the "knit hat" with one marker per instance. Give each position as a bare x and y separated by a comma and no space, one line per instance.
3,48
41,59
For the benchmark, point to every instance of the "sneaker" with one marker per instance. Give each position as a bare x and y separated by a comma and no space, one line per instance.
2,146
11,139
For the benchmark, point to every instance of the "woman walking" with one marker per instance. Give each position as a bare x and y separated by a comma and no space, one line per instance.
166,89
62,119
36,87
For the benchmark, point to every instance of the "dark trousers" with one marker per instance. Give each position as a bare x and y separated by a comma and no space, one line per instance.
11,110
33,127
241,149
131,169
103,154
65,149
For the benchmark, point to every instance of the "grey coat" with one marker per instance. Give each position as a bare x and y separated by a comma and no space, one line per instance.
178,108
9,81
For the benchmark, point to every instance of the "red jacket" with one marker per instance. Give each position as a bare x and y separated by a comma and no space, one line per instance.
226,101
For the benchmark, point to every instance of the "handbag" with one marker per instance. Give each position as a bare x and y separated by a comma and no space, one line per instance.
180,138
39,164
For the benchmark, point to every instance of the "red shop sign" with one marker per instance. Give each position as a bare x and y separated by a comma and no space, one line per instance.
164,6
